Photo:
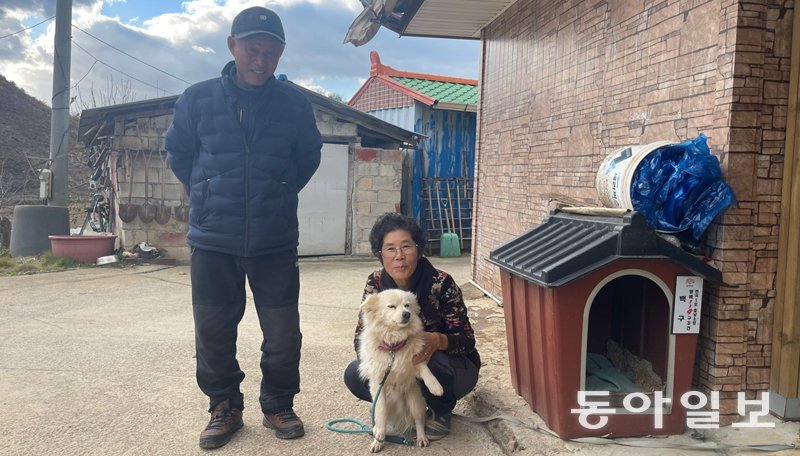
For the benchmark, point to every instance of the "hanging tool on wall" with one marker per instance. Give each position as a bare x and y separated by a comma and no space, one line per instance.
163,212
128,211
147,211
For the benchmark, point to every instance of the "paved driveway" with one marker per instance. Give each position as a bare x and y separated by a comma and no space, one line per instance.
101,362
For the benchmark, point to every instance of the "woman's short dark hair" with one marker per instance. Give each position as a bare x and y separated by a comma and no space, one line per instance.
392,221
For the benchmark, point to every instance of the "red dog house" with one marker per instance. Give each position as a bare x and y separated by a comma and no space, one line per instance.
590,305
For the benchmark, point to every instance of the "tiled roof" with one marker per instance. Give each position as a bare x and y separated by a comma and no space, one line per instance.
445,92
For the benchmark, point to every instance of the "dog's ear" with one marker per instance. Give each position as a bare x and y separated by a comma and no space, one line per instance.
370,305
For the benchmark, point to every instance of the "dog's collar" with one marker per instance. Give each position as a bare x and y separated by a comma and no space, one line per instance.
393,347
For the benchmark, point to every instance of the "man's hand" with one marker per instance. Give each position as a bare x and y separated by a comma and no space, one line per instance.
433,341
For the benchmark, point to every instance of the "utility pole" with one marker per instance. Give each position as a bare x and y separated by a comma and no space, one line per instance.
32,225
59,118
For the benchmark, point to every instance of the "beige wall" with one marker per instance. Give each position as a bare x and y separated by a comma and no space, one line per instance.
566,83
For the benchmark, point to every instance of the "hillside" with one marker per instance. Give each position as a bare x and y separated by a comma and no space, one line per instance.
25,147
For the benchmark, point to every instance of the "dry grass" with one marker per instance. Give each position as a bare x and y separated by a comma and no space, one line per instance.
46,262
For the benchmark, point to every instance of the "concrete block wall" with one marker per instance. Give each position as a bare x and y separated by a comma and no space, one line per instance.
566,83
139,142
377,189
327,124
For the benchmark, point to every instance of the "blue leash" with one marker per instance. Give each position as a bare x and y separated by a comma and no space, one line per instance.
363,428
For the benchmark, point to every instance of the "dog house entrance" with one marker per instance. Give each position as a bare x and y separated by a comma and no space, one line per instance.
628,339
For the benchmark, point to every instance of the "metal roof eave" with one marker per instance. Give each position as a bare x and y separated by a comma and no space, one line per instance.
369,126
462,19
462,107
90,118
404,138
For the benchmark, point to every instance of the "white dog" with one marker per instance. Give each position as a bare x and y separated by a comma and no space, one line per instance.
391,336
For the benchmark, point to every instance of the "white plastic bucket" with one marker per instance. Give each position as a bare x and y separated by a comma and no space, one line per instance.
615,175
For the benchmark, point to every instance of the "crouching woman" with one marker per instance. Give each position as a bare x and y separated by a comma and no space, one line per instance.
449,350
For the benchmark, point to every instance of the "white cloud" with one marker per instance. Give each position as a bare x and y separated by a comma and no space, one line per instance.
202,49
86,15
18,14
181,27
351,5
191,45
311,85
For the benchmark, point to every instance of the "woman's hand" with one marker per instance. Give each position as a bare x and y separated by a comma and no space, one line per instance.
434,341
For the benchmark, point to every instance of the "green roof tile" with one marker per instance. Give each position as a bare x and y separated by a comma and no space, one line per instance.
445,92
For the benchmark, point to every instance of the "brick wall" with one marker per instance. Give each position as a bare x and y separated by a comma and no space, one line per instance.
378,173
380,96
566,83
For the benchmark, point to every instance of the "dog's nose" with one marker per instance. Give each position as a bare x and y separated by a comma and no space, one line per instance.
406,317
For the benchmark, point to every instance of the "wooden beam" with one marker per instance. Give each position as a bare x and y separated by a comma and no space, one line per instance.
785,371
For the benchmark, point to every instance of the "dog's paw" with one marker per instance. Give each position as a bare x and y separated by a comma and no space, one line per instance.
436,389
422,442
376,446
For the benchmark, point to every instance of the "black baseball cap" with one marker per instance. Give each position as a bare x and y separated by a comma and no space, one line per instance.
257,20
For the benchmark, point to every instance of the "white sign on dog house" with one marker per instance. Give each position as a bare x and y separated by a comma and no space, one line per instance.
686,308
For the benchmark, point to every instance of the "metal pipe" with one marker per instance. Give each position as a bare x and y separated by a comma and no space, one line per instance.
486,292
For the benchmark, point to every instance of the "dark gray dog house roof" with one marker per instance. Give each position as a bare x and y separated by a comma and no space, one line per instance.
566,247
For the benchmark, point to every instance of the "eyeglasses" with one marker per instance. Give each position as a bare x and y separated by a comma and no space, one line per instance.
391,252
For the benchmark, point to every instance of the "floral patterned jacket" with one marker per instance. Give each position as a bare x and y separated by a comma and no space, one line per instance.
442,310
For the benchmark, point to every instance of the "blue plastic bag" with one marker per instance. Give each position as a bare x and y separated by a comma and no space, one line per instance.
680,187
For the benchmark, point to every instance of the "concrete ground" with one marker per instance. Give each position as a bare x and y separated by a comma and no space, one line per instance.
101,362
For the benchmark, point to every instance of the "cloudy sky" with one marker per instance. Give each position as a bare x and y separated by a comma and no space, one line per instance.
185,40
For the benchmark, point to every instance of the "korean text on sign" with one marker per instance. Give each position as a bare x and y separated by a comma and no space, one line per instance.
687,305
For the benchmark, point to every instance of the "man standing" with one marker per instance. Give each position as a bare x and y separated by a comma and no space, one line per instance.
244,145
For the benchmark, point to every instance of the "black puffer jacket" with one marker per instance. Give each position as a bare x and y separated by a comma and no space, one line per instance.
243,156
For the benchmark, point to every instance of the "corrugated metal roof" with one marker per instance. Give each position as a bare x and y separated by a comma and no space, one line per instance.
432,18
566,247
371,130
447,18
446,92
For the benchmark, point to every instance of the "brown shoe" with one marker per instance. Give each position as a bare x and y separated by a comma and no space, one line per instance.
285,423
224,423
